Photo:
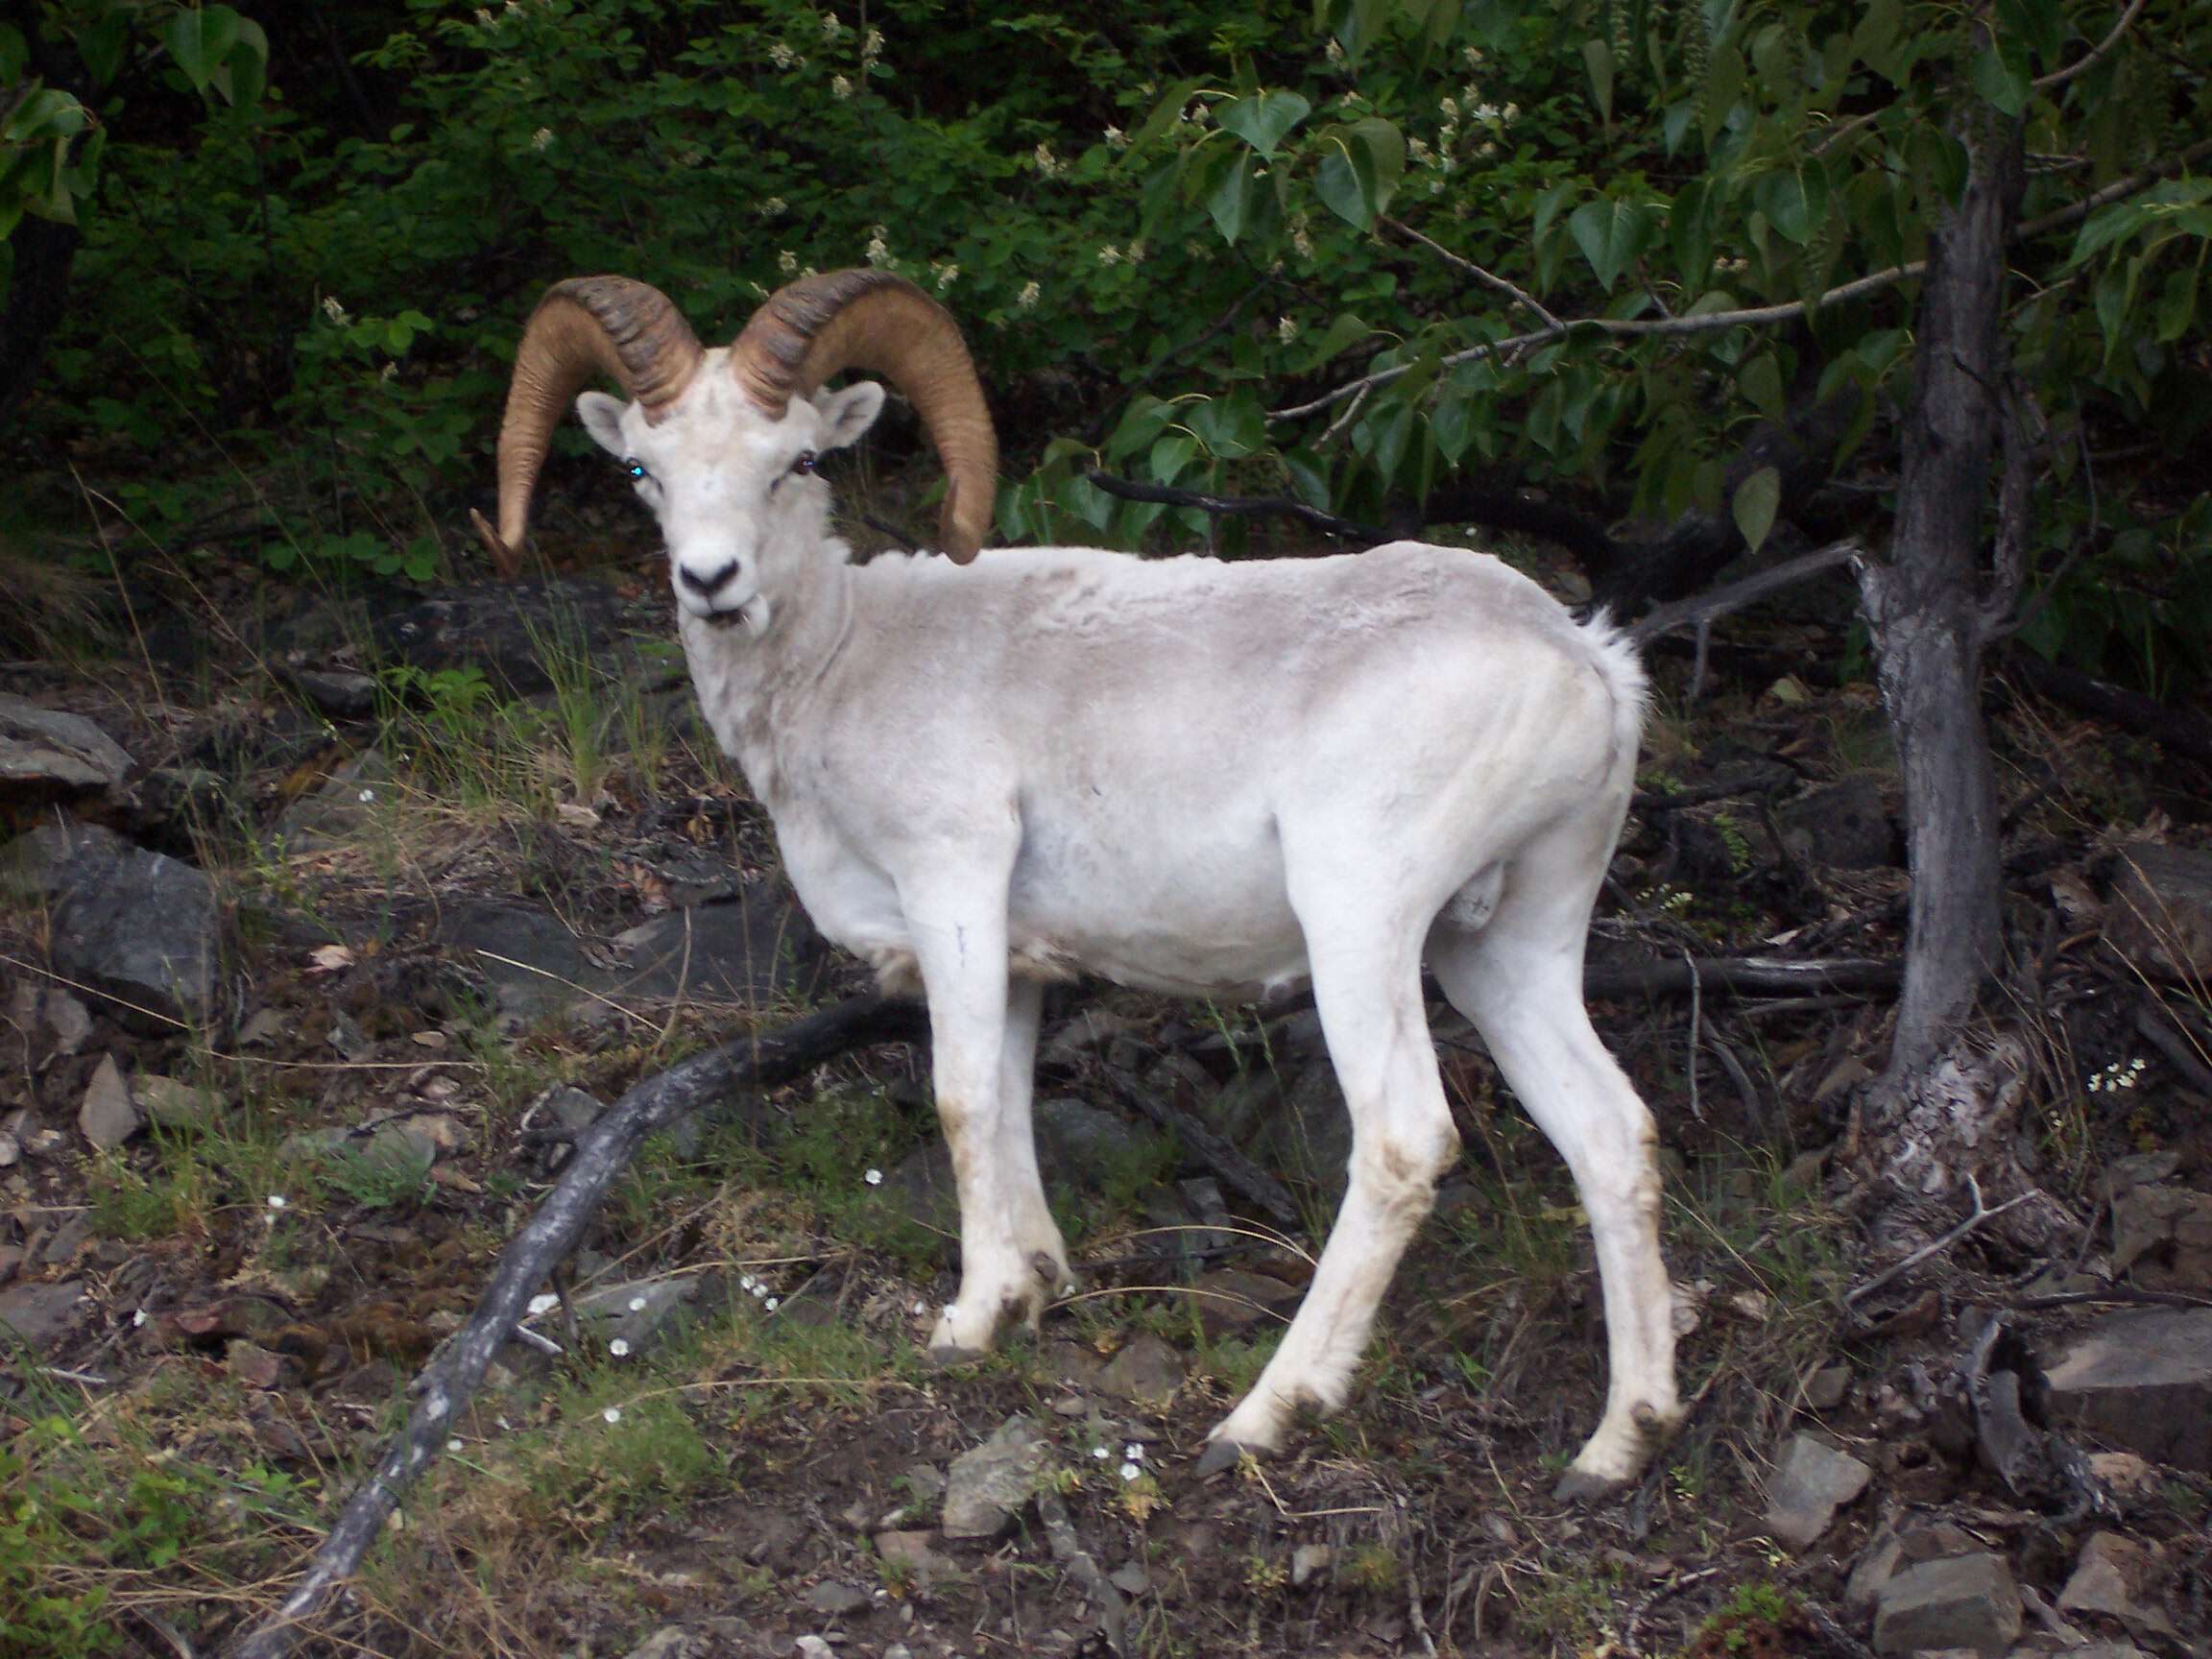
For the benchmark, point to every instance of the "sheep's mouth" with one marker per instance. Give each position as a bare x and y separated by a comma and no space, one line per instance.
732,619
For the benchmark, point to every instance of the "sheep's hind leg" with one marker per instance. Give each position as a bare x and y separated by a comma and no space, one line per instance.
978,1026
1401,1141
1520,982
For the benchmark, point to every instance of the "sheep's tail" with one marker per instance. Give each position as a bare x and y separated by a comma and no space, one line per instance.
1614,653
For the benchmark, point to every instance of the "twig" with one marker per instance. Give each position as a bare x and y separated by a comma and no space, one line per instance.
1234,506
1701,610
1696,1022
1236,1169
1749,316
454,1373
1764,780
2179,1050
1935,1248
84,1378
2059,76
1469,268
1752,975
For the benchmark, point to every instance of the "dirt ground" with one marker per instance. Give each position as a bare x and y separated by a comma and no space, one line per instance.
232,1235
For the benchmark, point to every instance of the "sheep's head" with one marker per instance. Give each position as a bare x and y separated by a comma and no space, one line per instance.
722,444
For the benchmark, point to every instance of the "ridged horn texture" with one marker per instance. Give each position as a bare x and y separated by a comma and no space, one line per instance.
815,327
583,328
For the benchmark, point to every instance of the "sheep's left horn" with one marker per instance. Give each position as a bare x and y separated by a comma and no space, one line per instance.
585,327
814,327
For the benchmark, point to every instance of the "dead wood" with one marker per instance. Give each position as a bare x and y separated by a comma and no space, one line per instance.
453,1375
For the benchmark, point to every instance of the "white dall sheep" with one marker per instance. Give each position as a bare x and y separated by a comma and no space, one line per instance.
1185,775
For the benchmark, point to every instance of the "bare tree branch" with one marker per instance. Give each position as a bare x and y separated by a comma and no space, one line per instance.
2059,76
1234,506
1510,290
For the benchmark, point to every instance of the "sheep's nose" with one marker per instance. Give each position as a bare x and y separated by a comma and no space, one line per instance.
709,585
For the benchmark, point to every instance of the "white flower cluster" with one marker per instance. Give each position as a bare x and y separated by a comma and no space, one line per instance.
2120,1074
879,251
1115,139
840,87
832,26
772,208
1109,254
1028,295
782,57
542,137
1048,165
787,262
758,1289
947,274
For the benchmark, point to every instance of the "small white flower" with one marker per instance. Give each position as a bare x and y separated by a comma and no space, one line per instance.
1418,149
138,1318
1449,106
879,251
1109,254
636,1303
1286,329
1101,1452
1130,1471
759,1291
612,1415
1115,139
366,796
772,1304
1134,1451
746,1281
1488,150
542,137
390,372
781,56
1333,51
1047,163
1302,244
1474,57
874,1177
1136,251
453,1444
786,261
332,309
946,275
278,1200
1027,297
483,19
773,206
920,1309
543,1304
840,87
1509,114
1486,113
619,1347
832,26
872,44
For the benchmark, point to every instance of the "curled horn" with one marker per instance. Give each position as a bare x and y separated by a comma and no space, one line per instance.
812,328
585,327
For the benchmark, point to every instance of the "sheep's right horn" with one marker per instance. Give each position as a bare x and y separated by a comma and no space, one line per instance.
812,328
586,326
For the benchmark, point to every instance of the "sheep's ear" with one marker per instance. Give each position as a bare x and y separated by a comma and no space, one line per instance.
602,417
846,414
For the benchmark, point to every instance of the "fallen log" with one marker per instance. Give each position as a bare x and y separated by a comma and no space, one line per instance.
604,1150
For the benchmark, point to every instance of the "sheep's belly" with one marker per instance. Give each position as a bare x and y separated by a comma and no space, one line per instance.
1199,914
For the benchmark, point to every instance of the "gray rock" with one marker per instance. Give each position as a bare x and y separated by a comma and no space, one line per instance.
1811,1481
1079,1144
1309,1137
65,1242
834,1599
1827,1387
1844,825
1130,1578
756,946
987,1487
170,1103
1964,1602
812,1647
2113,1577
352,799
1147,1371
2142,1381
57,750
510,630
2162,1237
1233,1303
139,924
636,1313
108,1118
909,1551
340,693
1888,1552
1307,1561
42,1316
670,1641
1091,1029
2160,917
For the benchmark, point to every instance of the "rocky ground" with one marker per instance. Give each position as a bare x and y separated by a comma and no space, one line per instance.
329,928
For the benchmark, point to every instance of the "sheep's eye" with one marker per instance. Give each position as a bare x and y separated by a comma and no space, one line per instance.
805,463
635,468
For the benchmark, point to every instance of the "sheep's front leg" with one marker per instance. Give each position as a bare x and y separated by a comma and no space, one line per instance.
980,1027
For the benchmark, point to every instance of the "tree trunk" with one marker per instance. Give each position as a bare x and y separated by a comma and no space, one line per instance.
1943,1110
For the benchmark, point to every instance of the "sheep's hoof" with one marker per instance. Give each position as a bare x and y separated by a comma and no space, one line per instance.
1579,1486
1221,1455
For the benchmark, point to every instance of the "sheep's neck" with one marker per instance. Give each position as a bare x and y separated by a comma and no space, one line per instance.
745,681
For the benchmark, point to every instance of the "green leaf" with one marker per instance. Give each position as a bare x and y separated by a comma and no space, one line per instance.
1795,201
1688,232
48,112
2105,227
1143,422
1163,114
1452,425
14,54
1229,201
1757,499
1598,59
1723,87
2177,305
1264,118
1230,427
1610,235
2003,84
199,41
1761,380
1170,455
245,76
1359,170
1344,331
